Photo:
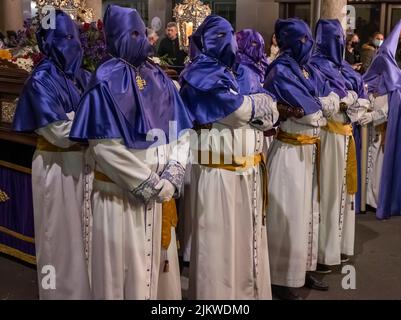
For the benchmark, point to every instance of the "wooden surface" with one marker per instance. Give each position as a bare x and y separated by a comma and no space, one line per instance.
7,134
12,81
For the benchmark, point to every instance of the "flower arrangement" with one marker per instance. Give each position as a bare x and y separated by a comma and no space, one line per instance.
5,54
163,61
27,54
94,44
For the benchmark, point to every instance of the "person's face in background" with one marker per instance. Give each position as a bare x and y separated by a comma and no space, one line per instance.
153,38
378,40
354,42
171,33
274,40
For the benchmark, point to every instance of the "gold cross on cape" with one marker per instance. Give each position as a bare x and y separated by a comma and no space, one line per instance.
141,83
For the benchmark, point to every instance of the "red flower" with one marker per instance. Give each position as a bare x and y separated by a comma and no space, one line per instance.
86,26
37,57
100,25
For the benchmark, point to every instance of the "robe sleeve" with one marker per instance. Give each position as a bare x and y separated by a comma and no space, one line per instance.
177,162
124,168
315,120
358,108
330,104
241,116
57,133
380,110
259,110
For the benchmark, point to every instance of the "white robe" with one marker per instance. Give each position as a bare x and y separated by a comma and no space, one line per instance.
337,207
127,256
185,216
375,150
229,252
293,210
58,201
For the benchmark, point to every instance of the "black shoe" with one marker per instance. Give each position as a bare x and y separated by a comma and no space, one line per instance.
313,283
370,209
344,258
285,293
323,269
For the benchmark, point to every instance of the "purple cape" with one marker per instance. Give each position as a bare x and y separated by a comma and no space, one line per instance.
251,62
208,85
55,85
328,58
384,77
290,78
251,52
128,96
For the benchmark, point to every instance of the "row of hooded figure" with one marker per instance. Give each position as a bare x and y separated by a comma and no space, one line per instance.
113,149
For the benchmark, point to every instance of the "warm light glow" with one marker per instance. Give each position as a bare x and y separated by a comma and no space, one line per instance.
189,30
189,16
75,8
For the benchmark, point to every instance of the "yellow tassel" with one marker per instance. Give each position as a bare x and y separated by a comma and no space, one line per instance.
169,220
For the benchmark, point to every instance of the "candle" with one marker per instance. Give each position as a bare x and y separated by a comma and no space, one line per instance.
188,32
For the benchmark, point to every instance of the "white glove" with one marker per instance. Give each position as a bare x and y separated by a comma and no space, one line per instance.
167,190
350,99
265,111
366,119
330,104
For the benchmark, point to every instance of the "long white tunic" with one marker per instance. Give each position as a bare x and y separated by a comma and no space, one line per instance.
185,216
58,199
293,210
229,252
337,207
127,256
375,149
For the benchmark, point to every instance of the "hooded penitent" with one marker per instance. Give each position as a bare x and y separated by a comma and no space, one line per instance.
128,96
328,58
251,61
290,78
209,88
384,77
55,86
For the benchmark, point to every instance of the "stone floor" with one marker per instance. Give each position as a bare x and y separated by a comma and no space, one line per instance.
377,263
17,280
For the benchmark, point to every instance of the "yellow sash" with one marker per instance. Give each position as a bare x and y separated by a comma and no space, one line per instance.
102,177
351,166
300,140
242,163
44,145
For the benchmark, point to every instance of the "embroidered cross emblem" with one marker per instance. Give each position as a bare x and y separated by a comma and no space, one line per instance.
3,196
141,83
305,73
